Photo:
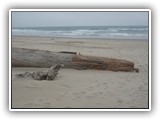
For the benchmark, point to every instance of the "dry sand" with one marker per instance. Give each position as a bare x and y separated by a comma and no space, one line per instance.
84,88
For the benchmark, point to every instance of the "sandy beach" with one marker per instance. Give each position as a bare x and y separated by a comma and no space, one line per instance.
84,88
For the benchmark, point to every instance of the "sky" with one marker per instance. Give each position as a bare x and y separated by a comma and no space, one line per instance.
42,19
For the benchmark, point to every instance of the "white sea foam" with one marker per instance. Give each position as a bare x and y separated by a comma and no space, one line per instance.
86,32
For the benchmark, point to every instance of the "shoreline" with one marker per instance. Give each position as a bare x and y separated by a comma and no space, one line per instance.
80,38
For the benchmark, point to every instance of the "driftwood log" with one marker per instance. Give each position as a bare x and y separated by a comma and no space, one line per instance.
42,58
50,75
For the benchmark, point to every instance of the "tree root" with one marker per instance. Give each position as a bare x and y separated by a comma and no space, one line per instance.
50,75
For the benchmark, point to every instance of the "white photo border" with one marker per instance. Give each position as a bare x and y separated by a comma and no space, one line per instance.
80,10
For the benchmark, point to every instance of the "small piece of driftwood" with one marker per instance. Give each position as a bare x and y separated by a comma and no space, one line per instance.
50,75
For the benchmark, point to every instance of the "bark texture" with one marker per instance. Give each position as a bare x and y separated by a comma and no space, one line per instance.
42,58
102,63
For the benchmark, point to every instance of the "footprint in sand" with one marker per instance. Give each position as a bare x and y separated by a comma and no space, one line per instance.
103,97
119,100
83,92
105,83
95,93
98,85
40,100
105,88
90,88
90,97
100,93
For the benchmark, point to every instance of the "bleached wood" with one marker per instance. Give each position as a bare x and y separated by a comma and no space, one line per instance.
42,58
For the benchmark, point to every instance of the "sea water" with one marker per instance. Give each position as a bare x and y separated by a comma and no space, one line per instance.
113,32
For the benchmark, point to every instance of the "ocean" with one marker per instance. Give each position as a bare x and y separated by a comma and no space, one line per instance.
112,32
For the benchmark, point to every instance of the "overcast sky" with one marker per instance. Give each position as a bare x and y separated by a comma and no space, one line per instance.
38,19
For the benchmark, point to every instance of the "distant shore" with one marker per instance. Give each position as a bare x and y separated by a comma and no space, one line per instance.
84,88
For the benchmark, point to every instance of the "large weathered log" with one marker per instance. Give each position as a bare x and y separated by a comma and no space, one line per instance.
42,58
